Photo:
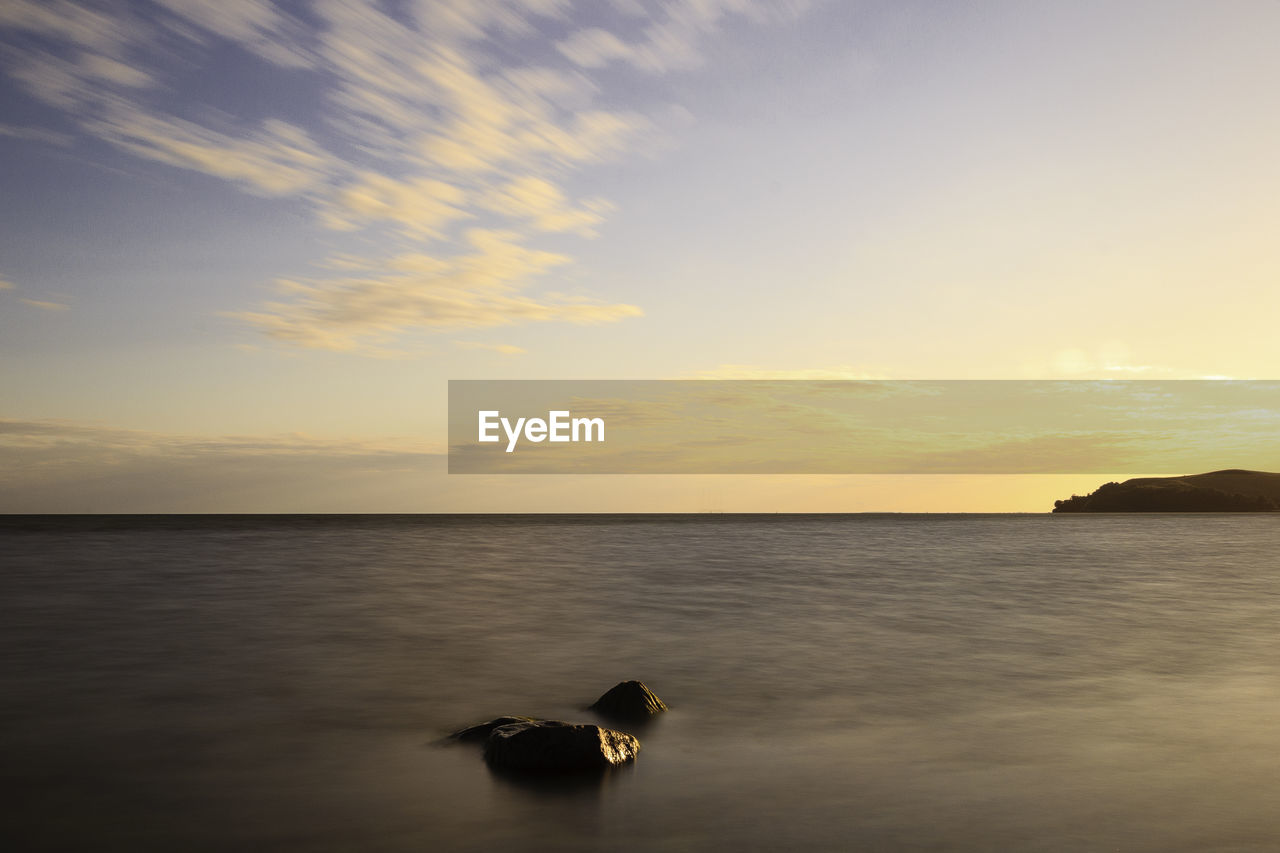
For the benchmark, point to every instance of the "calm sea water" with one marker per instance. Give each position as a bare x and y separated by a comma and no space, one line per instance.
835,682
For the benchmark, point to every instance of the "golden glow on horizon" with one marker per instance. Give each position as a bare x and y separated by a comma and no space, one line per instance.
349,210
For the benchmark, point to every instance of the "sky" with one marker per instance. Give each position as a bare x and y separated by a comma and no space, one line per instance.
244,245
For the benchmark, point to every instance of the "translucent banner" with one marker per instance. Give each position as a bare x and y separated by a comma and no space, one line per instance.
861,427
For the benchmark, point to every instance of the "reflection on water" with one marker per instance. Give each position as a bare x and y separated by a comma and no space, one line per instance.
586,783
874,682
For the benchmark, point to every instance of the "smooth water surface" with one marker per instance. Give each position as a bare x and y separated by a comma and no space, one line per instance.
836,682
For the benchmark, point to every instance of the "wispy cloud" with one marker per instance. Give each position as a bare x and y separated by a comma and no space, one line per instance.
35,134
419,208
427,122
670,39
258,25
43,305
276,158
595,48
64,466
542,205
481,288
63,434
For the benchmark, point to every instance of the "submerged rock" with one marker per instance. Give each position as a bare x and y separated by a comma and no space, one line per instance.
480,731
629,700
554,746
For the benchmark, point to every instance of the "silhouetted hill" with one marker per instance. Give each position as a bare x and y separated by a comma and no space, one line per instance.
1233,490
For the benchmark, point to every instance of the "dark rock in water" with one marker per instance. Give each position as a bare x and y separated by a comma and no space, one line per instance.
480,731
630,700
554,746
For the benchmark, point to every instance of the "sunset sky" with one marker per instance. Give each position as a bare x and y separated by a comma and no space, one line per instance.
244,245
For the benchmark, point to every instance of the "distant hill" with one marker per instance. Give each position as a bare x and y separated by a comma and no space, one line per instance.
1233,490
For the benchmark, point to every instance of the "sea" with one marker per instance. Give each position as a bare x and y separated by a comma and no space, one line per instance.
834,682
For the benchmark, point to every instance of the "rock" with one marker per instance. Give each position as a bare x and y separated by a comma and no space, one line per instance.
480,731
629,700
554,746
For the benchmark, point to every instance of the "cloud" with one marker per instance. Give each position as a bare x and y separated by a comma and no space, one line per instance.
40,304
258,25
670,41
63,466
62,434
275,159
44,306
594,48
482,288
419,207
630,8
541,203
82,26
93,54
35,134
475,19
55,81
109,70
416,123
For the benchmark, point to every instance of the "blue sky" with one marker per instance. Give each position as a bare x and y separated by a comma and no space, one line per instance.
272,231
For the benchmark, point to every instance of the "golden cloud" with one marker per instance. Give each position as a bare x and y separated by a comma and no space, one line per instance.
479,289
